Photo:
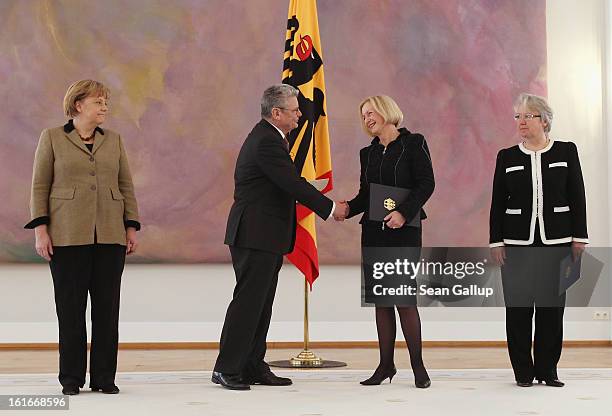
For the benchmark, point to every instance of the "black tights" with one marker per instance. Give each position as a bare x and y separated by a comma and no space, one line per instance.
411,327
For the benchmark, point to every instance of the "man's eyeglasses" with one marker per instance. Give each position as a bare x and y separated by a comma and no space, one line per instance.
293,110
526,116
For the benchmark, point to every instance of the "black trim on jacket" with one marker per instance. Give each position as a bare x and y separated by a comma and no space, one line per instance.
69,126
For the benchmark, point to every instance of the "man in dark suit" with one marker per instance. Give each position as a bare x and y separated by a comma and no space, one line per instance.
261,228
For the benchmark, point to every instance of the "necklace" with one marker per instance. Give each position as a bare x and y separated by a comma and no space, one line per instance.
87,139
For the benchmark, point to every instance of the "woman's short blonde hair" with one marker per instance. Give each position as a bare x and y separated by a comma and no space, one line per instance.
81,90
386,107
538,104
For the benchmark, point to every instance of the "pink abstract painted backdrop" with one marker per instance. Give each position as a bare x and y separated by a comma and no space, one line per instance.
186,77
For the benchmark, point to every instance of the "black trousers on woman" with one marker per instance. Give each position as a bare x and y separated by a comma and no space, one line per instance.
78,270
373,235
530,279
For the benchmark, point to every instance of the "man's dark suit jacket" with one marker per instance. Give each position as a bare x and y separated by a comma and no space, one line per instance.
267,184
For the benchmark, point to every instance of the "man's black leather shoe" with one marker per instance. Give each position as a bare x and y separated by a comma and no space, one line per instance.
552,382
70,390
270,379
108,389
228,381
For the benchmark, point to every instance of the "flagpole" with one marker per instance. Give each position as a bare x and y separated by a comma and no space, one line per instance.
306,358
302,60
306,335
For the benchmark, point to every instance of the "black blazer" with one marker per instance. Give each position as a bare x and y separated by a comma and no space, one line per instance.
406,164
546,186
267,185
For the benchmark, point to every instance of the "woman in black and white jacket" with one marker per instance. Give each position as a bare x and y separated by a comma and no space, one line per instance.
538,201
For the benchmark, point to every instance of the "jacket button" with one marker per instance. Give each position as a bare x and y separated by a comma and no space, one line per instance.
91,159
92,173
93,187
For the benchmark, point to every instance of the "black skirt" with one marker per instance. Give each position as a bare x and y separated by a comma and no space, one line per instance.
387,245
374,235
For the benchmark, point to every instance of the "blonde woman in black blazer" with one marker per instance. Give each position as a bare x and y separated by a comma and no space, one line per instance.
538,201
400,158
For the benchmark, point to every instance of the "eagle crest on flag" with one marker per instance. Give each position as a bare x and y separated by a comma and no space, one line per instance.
309,142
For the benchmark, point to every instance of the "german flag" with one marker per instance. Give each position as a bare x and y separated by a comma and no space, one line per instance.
309,142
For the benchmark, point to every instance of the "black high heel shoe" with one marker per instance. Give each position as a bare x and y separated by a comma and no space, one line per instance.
421,378
422,384
552,382
379,376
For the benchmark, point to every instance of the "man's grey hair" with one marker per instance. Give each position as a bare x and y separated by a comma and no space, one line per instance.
537,104
276,96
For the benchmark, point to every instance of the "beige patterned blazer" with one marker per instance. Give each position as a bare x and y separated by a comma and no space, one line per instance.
81,193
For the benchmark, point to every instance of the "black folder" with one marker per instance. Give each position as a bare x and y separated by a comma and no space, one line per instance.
384,199
569,273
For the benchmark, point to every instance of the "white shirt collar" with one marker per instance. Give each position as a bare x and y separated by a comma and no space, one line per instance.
533,152
279,130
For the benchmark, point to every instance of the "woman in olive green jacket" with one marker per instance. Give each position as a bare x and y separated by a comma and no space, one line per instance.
85,217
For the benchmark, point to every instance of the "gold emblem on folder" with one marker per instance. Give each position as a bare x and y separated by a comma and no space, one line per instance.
389,204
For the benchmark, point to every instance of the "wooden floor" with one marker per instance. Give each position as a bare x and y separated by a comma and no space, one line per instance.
46,361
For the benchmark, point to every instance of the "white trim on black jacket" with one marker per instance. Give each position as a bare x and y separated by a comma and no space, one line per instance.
544,185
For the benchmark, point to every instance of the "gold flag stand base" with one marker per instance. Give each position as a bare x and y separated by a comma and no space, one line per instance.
307,358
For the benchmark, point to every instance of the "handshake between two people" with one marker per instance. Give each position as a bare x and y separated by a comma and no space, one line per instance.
342,210
393,220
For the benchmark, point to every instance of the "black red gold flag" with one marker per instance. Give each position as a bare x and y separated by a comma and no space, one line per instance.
309,142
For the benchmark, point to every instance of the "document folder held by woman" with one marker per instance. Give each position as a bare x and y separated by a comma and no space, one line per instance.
384,199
